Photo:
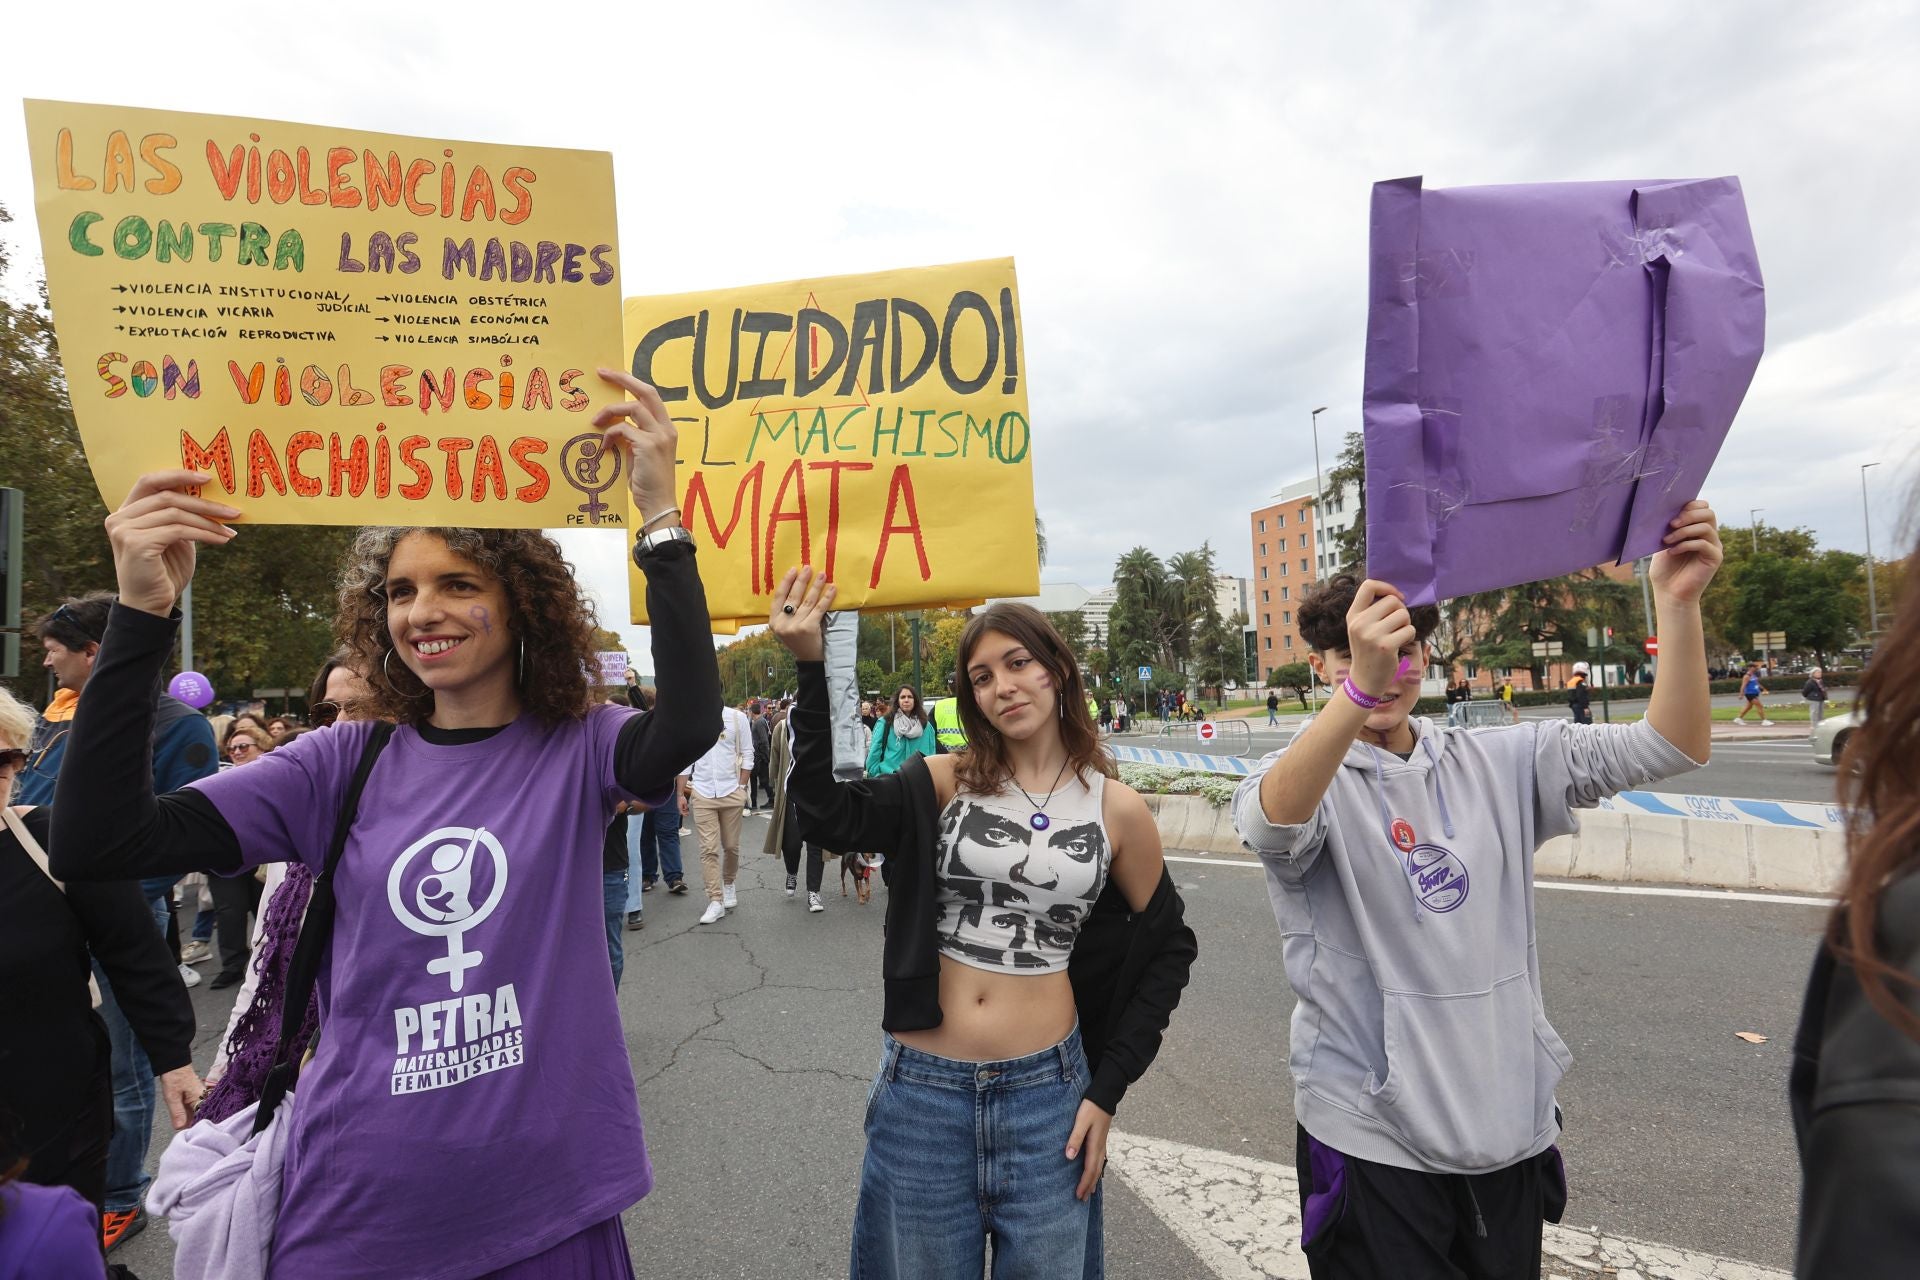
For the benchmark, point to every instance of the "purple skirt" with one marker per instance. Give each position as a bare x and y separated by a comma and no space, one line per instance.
598,1253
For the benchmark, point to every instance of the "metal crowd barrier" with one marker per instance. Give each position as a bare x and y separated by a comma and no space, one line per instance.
1231,737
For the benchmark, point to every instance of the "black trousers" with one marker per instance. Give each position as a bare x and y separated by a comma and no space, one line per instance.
234,897
1367,1221
790,850
757,784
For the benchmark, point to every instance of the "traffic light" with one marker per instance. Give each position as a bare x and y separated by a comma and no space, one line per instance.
11,501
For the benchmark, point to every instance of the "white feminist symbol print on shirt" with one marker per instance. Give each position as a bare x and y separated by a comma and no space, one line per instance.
445,885
437,898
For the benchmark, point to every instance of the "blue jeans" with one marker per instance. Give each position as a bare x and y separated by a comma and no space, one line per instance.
958,1150
614,898
132,1106
659,843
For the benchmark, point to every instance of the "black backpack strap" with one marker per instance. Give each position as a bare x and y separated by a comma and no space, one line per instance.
314,932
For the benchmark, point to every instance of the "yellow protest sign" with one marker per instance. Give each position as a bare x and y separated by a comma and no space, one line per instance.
340,327
873,426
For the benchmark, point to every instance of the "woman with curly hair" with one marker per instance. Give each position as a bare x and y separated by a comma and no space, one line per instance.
1035,952
469,1109
1855,1088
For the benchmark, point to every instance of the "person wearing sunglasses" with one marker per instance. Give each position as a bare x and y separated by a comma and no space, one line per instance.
183,750
56,1058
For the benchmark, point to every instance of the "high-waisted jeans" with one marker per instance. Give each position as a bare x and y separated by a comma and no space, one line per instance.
960,1152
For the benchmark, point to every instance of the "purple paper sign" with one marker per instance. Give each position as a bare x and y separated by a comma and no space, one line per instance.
1550,372
191,688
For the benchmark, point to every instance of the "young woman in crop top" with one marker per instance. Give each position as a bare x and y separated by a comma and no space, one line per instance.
1034,954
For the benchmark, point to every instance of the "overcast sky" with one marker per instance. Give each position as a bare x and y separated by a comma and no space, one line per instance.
1184,188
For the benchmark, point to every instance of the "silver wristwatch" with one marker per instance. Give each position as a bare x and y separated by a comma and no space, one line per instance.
648,543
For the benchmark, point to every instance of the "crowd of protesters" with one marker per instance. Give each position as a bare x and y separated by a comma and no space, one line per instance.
455,766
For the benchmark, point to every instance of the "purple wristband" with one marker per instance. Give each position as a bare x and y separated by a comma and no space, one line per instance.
1365,701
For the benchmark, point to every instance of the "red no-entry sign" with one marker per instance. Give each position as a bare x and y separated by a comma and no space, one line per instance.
1653,646
1207,731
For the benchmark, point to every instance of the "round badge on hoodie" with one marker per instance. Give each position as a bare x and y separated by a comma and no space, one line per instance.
1438,875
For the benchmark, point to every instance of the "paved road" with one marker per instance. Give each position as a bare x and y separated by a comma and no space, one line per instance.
753,1041
1753,770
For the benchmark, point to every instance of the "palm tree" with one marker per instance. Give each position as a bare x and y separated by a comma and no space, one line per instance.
1040,538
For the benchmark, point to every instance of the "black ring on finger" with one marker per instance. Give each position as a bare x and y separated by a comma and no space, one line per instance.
786,608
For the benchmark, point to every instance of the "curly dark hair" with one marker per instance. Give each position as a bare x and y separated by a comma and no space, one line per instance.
548,615
1323,615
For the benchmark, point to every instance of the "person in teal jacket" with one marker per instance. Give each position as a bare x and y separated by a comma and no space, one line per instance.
902,734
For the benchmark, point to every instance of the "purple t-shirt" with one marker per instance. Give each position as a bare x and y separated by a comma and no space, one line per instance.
48,1233
471,1101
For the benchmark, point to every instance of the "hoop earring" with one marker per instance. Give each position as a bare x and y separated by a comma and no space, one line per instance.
520,664
387,671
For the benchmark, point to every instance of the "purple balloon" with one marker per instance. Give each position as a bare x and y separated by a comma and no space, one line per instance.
191,688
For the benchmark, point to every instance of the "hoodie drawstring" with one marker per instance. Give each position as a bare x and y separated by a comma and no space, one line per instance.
1439,792
1479,1223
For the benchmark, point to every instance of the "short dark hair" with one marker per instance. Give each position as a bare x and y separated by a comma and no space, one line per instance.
80,620
1323,615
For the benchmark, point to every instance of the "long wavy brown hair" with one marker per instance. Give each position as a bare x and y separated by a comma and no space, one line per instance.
983,767
549,617
1880,785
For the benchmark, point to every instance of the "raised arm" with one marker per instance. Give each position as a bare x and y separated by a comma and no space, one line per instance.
656,746
652,749
107,824
868,814
1378,627
1680,708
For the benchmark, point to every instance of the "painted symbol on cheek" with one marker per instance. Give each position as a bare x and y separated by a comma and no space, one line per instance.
482,619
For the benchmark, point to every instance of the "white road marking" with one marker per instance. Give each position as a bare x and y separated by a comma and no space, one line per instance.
1241,1218
1649,891
1634,890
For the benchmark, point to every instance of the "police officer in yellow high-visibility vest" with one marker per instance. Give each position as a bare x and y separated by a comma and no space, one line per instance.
948,736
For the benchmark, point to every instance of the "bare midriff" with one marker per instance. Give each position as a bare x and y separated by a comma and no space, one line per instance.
989,1017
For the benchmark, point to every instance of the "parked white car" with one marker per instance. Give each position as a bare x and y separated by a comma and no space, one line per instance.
1830,738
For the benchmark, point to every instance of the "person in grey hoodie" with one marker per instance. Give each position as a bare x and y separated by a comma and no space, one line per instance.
1399,859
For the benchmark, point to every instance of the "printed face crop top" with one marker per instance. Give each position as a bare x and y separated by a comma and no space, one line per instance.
1011,897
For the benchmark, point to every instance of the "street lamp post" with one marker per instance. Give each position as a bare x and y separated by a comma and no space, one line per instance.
1318,533
1873,600
1753,526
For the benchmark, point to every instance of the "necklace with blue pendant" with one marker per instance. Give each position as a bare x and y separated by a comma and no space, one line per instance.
1039,821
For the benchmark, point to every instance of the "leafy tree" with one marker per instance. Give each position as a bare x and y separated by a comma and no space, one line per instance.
1717,605
1296,677
1140,591
263,605
1805,597
1351,468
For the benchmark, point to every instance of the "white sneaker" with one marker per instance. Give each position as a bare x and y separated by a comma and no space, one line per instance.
792,884
1766,724
814,903
713,913
196,953
729,897
189,975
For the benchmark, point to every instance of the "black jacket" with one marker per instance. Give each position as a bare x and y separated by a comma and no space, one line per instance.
1127,970
1855,1092
52,1043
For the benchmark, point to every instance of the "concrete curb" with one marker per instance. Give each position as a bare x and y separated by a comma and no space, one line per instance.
1623,847
1189,822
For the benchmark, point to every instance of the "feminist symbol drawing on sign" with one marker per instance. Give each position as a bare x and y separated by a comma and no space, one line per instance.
441,904
582,461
